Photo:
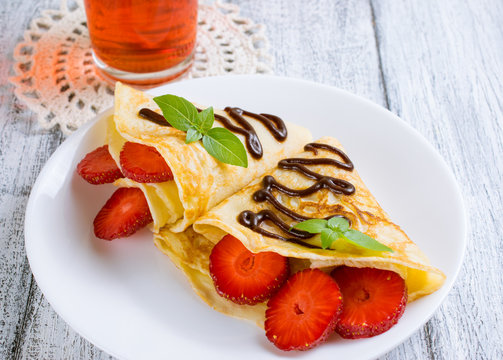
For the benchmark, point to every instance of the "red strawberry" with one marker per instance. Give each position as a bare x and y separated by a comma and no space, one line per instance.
144,164
373,301
123,214
244,277
304,311
98,167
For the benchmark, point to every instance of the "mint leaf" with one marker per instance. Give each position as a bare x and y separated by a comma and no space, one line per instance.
219,142
338,223
313,226
325,238
192,135
328,236
206,119
180,113
336,228
225,146
360,239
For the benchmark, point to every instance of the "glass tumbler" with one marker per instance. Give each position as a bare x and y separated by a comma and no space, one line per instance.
142,42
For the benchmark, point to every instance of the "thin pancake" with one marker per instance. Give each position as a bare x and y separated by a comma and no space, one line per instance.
360,208
201,181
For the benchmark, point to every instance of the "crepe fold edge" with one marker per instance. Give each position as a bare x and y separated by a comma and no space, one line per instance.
201,180
421,278
190,253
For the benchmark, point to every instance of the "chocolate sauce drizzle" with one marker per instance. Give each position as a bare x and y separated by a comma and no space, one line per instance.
253,220
154,117
273,123
337,186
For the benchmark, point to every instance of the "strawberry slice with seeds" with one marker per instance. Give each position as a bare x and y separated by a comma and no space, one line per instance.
244,277
98,167
373,301
144,164
122,215
304,311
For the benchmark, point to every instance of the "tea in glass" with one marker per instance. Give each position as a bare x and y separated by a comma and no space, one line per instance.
142,41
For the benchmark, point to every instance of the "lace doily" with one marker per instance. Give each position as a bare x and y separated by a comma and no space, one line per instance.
56,77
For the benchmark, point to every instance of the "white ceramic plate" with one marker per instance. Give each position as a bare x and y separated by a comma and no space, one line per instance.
128,299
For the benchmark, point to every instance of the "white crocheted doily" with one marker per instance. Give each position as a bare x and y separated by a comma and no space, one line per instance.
56,77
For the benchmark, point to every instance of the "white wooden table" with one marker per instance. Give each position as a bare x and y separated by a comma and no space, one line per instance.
438,64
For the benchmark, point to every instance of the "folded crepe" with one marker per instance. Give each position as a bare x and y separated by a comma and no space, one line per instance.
200,181
247,216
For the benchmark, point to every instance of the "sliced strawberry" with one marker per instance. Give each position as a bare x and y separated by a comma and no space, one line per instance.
144,164
304,311
98,167
373,301
244,277
123,214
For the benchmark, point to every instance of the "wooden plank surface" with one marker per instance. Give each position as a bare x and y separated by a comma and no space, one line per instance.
442,63
437,64
329,42
29,328
23,151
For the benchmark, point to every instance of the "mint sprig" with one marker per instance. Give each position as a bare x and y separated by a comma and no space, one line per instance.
218,142
338,228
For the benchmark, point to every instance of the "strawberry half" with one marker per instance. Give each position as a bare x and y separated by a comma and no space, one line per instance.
373,301
304,311
244,277
144,164
98,167
122,215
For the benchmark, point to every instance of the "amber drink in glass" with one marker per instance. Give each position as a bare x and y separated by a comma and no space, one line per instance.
142,41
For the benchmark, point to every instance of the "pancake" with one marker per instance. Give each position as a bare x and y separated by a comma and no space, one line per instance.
200,181
360,208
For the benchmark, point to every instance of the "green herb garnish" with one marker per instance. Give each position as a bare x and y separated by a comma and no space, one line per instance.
218,142
338,228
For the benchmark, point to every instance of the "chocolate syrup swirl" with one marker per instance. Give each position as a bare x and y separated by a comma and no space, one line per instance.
253,144
273,123
154,117
337,186
253,220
